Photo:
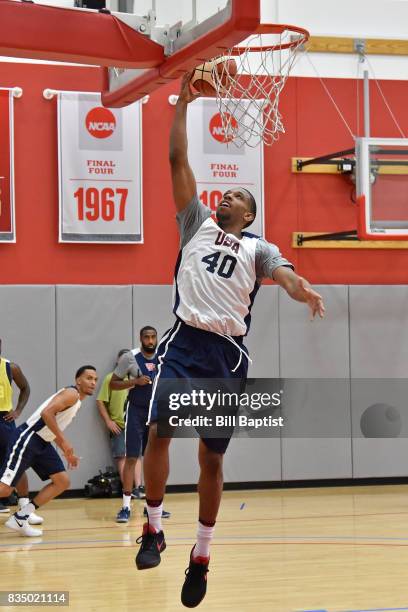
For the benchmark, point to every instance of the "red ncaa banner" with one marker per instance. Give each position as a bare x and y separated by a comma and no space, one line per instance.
7,216
100,171
218,164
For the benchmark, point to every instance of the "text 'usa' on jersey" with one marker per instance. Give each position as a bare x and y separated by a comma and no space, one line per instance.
215,282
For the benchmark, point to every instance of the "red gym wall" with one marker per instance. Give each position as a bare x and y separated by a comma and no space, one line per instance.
292,202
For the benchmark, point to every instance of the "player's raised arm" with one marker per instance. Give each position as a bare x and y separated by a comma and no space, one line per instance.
184,184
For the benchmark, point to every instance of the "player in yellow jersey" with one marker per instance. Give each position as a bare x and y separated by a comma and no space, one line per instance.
9,373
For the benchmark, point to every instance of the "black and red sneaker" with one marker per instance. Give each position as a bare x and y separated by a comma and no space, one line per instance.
152,545
195,584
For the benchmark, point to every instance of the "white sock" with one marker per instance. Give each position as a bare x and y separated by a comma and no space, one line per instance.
204,537
126,501
155,516
27,509
23,501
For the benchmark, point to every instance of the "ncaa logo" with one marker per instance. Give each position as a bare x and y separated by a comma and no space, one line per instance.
217,130
100,122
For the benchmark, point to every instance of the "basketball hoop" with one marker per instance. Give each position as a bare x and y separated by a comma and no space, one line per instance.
248,101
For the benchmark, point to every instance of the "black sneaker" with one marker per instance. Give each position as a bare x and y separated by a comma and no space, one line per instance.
137,494
4,509
195,584
152,544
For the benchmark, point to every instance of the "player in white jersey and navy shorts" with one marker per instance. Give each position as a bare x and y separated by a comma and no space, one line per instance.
30,447
219,270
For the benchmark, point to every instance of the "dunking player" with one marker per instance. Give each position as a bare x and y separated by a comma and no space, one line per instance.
218,272
31,447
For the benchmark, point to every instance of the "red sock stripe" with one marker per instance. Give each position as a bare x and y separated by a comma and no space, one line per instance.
206,523
154,503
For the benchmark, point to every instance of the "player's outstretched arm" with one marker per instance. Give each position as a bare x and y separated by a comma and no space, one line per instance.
299,289
184,184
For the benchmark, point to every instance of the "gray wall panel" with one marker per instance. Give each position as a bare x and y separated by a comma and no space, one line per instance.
253,459
93,322
379,350
379,409
376,457
152,305
256,459
309,458
316,436
184,461
319,348
263,337
379,331
27,316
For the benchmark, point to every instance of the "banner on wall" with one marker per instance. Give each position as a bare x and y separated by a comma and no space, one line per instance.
219,166
100,171
7,213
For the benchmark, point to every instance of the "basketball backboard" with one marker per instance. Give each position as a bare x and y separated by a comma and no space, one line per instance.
188,33
138,52
382,188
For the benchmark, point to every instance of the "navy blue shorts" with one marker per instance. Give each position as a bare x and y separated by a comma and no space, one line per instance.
27,450
136,430
189,353
7,429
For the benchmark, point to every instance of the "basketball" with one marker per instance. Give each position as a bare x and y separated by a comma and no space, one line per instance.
202,79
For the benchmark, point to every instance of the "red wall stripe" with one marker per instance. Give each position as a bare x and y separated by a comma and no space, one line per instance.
293,202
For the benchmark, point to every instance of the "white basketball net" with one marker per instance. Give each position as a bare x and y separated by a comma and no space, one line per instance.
248,102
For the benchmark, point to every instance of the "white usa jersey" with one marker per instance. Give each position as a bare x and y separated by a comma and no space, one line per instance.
63,418
217,274
215,279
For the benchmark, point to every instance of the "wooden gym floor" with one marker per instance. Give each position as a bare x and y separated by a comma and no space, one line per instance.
323,549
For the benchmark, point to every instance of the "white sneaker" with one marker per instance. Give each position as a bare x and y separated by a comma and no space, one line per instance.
34,519
22,526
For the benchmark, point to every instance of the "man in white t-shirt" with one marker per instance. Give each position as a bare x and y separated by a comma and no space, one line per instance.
30,447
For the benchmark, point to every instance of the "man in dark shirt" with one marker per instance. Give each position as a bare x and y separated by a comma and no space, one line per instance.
139,365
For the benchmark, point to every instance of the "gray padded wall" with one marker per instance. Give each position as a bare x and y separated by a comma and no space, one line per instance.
321,418
252,459
152,305
93,322
263,338
379,350
27,316
51,331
